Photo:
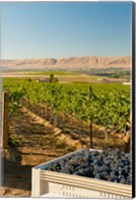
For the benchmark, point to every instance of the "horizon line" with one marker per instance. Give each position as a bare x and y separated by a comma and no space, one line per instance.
63,57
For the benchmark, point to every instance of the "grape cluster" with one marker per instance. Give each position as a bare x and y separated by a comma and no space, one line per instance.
107,165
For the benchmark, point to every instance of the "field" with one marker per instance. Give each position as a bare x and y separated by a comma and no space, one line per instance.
66,76
47,120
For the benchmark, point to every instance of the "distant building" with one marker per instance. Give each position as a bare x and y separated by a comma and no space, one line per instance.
103,80
46,80
126,83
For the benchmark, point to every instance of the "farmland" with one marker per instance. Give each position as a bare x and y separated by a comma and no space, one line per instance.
67,76
47,120
106,105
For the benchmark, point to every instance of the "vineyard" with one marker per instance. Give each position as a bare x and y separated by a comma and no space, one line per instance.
48,120
106,105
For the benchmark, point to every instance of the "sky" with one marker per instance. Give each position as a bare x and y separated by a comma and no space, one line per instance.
65,29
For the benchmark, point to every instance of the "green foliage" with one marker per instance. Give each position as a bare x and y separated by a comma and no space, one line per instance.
12,140
105,104
52,79
15,94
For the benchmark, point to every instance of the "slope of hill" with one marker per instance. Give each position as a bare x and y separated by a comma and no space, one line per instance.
71,64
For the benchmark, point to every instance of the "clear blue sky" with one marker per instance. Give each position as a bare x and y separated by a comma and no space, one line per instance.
65,29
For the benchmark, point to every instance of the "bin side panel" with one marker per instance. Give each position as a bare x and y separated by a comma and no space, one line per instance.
68,191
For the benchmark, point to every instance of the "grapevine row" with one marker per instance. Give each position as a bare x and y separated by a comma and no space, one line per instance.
104,104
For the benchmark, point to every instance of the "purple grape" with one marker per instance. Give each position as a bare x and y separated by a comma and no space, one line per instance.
107,165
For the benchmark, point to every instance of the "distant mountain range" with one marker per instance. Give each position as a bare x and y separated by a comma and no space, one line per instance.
70,64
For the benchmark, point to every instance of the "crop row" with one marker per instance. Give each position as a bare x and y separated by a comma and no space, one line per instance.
103,104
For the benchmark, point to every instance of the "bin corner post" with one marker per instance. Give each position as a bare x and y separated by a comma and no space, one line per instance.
36,191
4,141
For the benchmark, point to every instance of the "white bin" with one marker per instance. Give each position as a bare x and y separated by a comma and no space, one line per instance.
55,184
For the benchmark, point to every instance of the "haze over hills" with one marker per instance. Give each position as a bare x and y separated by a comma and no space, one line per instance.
70,64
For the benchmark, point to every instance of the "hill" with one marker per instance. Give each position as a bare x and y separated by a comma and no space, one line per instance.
70,64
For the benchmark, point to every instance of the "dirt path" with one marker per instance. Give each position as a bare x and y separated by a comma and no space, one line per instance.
56,131
38,141
36,144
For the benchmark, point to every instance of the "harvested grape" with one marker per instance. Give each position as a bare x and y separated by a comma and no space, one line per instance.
105,165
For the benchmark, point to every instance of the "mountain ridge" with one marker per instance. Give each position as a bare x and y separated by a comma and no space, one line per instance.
86,62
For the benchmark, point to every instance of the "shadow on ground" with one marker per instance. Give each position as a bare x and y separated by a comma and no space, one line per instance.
16,177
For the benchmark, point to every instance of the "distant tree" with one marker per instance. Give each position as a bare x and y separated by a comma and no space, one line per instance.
52,79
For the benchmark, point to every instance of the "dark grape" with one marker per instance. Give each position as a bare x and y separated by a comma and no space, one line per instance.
107,165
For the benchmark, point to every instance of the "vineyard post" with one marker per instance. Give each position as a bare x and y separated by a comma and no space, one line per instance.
5,119
47,113
91,121
91,133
